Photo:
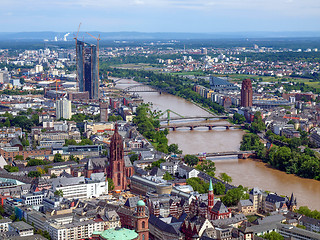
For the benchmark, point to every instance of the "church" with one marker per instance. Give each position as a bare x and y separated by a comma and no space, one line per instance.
120,168
117,167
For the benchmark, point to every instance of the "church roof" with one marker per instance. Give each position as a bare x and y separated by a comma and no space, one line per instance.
132,202
140,203
89,165
96,163
219,207
210,185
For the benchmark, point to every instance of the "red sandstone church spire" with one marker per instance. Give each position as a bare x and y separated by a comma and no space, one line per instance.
116,169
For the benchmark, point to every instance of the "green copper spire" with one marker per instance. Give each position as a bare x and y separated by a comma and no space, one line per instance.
210,186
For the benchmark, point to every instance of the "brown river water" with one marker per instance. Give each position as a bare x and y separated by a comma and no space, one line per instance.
248,172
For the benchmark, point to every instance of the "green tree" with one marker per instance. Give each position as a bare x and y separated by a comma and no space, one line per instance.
70,142
71,158
22,122
174,148
208,167
257,124
225,177
198,185
233,196
307,212
114,118
58,158
167,176
191,160
219,188
11,168
134,157
53,175
7,123
18,157
35,119
36,162
273,236
34,174
157,163
110,184
86,141
58,193
238,118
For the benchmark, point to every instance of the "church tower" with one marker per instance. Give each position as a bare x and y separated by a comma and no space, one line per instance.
210,198
88,169
142,226
116,169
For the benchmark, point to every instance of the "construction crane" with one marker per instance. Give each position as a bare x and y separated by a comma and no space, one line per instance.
77,33
98,39
76,38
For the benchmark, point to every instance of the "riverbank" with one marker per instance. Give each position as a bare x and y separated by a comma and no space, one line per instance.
255,173
246,172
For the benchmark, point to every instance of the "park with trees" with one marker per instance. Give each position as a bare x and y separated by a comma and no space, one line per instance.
284,154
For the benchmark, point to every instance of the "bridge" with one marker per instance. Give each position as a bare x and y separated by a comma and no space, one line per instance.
190,118
192,126
141,88
241,154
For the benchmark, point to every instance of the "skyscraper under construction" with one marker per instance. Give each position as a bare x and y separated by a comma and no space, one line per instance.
87,68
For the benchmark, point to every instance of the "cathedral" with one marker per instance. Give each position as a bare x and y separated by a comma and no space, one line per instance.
120,168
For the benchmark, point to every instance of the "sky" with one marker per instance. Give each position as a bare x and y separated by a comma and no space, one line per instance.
205,16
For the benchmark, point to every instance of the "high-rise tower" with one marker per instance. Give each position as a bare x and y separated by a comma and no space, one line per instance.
103,112
87,68
63,109
246,93
116,169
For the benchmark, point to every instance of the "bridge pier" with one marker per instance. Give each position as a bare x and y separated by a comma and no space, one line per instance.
227,127
191,128
173,128
210,127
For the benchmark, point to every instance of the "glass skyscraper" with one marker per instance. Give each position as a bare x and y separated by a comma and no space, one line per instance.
87,69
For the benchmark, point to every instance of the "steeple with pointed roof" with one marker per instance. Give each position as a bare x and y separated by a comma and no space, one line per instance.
210,197
210,186
116,169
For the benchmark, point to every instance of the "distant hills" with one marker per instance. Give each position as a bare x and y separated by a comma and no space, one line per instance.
59,36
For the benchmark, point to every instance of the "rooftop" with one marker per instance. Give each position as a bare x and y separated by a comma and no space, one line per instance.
117,233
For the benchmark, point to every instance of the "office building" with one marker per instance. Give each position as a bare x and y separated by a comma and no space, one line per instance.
66,226
222,84
246,93
103,112
81,188
4,77
22,228
87,68
63,109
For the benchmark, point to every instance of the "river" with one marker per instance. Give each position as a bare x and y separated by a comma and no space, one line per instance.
248,172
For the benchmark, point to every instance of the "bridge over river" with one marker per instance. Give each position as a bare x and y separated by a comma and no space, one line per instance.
193,125
241,154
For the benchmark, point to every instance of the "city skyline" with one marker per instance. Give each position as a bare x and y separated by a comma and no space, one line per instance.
161,16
